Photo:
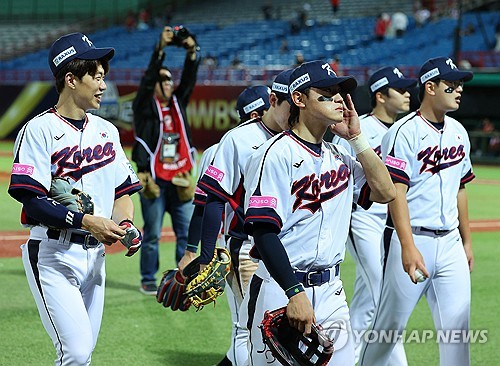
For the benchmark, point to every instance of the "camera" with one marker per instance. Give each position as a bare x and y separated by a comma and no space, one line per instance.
180,34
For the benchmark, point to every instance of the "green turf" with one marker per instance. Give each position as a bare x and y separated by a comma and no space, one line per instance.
138,331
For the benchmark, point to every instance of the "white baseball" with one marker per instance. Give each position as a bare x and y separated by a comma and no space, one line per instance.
419,275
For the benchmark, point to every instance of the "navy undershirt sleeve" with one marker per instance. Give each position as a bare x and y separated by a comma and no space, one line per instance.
210,227
275,258
194,232
51,213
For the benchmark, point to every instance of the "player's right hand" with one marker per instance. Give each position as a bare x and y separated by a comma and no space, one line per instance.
105,230
412,259
187,258
300,313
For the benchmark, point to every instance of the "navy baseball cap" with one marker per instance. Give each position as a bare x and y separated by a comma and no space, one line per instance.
319,74
281,83
75,45
253,98
442,68
389,77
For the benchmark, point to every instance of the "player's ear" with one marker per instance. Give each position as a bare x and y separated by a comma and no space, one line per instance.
254,114
298,99
379,97
69,79
273,100
430,87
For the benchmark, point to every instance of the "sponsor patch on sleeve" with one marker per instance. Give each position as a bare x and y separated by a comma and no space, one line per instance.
23,169
263,201
214,173
395,163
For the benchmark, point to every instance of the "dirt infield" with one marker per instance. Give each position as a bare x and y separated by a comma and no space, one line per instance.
11,240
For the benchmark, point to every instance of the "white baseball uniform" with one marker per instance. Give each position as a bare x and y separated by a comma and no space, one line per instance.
365,246
308,196
433,163
237,351
66,277
224,178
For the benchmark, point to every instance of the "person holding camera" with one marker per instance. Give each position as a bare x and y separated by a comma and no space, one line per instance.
163,150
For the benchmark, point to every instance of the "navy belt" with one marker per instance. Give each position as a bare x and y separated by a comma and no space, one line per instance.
435,232
318,277
85,240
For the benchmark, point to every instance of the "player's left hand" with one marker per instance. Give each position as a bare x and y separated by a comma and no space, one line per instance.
349,127
132,239
470,255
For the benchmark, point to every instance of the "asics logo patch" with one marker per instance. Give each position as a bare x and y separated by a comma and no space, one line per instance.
297,165
58,137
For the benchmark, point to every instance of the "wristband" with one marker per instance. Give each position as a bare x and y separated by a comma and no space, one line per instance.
192,248
359,143
294,290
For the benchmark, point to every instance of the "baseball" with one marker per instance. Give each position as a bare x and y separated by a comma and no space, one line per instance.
419,275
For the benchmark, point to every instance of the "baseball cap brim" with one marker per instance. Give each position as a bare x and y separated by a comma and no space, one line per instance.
457,75
97,54
403,83
346,83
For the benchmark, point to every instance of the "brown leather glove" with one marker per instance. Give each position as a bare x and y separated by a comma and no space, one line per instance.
150,189
185,186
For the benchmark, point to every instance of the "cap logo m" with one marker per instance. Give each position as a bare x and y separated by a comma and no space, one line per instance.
85,39
328,68
450,63
398,73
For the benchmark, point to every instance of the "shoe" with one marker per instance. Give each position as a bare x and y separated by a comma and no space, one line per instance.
148,288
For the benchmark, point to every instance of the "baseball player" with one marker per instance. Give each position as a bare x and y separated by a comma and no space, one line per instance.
389,96
223,182
427,154
299,194
64,256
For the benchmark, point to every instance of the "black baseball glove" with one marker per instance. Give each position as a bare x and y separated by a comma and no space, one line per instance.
289,346
74,199
133,238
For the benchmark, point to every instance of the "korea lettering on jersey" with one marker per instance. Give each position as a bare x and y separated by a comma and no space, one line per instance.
92,159
225,175
374,130
307,196
441,156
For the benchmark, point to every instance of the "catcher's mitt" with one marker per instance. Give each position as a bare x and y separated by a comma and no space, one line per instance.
74,199
204,287
289,346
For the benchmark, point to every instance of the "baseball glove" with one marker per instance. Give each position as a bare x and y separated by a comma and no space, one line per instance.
289,346
184,186
204,287
171,292
133,238
74,199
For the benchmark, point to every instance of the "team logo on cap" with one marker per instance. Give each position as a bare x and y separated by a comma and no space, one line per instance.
398,73
68,52
450,63
328,68
86,39
253,106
